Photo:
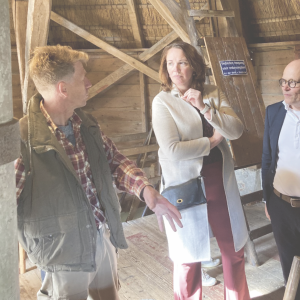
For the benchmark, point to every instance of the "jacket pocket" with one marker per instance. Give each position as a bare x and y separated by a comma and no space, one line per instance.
58,240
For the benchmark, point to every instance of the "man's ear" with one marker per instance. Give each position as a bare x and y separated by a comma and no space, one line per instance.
61,88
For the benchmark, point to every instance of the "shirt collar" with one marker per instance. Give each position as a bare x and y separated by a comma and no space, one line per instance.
286,106
75,119
175,91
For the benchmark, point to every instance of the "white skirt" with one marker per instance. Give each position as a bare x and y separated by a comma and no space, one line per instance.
190,243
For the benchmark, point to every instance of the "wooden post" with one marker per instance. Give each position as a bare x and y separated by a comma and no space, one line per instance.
172,13
230,27
190,25
22,260
9,151
293,281
20,9
139,41
38,20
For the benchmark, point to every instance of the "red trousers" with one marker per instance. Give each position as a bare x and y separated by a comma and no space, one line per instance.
187,277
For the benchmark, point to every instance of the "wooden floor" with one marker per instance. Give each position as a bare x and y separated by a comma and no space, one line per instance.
145,270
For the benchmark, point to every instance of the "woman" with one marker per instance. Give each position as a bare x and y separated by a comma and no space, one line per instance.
192,122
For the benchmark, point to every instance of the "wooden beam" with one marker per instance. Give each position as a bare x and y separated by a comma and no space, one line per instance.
252,197
20,10
278,34
211,13
138,150
120,74
129,137
276,44
172,13
144,106
190,25
261,231
275,20
293,280
214,22
138,37
135,23
231,24
22,260
110,49
38,19
191,28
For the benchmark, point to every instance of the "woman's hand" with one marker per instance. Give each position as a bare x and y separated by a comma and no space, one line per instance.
216,139
195,98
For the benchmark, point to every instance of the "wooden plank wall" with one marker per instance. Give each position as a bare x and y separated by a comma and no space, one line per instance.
269,63
119,110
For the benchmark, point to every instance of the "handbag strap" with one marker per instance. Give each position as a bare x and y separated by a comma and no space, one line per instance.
163,179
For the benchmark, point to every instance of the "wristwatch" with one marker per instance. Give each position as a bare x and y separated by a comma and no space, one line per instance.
205,109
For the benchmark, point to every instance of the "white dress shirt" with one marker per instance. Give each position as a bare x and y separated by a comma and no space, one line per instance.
287,176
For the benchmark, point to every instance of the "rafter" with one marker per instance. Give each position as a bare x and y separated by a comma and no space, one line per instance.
190,24
139,41
135,23
123,72
172,13
231,22
100,43
37,30
210,13
177,17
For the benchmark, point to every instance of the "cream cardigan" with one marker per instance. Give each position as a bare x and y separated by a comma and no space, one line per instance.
178,129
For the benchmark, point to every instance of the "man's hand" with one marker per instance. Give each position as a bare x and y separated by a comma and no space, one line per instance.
161,206
267,214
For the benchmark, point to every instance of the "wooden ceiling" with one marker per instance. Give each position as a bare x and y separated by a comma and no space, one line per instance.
263,21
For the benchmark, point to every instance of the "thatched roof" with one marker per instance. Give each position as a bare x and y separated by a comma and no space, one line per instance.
263,21
271,20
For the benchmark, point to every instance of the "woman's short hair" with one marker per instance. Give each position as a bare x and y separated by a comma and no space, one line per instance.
195,60
50,64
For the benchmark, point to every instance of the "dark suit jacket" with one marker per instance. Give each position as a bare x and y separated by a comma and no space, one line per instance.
275,115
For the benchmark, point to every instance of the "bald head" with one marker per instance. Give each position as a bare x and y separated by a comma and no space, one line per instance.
293,68
292,94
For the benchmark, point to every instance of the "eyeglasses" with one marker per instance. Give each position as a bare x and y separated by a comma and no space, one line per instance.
291,83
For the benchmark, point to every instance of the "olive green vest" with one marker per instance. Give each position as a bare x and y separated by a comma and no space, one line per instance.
56,224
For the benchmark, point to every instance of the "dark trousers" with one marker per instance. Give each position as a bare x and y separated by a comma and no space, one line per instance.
286,227
188,276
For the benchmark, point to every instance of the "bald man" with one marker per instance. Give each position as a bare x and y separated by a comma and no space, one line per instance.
281,167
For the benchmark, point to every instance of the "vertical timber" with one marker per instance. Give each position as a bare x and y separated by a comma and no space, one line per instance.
38,20
9,276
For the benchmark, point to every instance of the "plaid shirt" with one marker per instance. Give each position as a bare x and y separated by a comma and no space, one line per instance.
127,176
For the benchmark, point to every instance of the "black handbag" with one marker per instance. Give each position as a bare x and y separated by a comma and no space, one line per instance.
186,194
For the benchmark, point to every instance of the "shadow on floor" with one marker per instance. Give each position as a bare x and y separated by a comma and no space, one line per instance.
278,294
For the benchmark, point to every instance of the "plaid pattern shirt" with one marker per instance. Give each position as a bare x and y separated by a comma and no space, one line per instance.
127,176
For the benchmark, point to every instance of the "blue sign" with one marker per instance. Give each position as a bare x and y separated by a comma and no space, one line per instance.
233,67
